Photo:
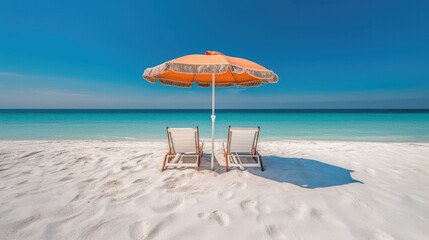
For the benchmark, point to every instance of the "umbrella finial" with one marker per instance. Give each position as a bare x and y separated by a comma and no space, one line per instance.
213,53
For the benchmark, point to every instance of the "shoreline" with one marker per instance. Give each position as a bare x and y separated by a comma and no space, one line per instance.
208,141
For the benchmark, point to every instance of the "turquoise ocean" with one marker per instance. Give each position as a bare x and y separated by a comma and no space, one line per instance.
339,125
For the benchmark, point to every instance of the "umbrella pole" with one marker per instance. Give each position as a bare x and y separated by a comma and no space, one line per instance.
213,118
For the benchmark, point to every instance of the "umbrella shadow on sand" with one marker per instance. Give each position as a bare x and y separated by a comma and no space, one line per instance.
305,173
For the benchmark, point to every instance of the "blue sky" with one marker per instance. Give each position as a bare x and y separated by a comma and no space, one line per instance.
328,54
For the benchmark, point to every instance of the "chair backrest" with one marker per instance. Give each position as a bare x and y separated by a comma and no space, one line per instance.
183,140
242,140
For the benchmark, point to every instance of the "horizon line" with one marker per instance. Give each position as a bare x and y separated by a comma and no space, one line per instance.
396,109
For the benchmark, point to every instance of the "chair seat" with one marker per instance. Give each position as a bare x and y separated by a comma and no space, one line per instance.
240,149
183,143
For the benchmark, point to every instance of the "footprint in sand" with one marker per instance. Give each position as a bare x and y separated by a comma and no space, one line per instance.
138,230
217,216
238,185
170,183
220,217
249,207
226,195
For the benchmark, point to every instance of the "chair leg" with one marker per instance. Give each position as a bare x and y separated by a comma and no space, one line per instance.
260,161
165,160
198,163
226,162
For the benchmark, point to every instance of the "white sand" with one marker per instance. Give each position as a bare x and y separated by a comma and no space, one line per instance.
310,190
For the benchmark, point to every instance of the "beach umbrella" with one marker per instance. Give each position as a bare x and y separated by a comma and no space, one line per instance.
212,69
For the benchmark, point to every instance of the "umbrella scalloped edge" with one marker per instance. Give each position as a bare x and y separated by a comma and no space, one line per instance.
151,74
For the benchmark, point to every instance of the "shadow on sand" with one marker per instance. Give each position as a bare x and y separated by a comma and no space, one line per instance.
305,173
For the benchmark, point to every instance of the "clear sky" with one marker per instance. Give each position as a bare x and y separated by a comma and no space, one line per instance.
327,53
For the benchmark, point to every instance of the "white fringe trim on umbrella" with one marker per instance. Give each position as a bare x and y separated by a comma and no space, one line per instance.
264,76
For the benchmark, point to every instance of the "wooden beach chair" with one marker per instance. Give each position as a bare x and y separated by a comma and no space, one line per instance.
241,145
184,145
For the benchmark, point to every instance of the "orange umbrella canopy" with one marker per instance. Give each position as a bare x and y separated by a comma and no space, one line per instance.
229,71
